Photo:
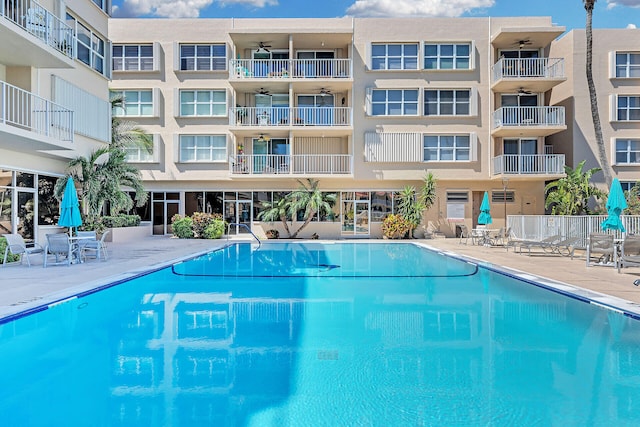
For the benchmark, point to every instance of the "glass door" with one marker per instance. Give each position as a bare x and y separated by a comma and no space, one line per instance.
238,212
361,226
356,216
164,207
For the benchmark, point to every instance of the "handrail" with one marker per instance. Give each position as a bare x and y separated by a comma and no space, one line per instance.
245,226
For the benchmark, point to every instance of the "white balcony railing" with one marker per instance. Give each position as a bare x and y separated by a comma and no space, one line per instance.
290,68
27,111
294,164
528,116
528,68
37,20
529,164
290,116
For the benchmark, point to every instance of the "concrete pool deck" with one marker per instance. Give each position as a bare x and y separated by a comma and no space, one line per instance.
22,288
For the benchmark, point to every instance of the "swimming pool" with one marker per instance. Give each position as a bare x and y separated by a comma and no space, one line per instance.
321,334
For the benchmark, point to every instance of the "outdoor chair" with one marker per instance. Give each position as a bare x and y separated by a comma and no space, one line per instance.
17,246
465,234
84,237
602,246
95,248
60,246
543,244
565,247
629,252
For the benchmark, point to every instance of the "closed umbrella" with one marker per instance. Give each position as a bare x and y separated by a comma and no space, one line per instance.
485,210
616,203
69,209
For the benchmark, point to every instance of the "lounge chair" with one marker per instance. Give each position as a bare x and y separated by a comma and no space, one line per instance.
630,252
543,244
601,245
59,245
17,246
95,248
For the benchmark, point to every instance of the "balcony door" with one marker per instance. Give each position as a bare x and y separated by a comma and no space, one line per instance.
271,155
522,116
316,63
269,64
520,155
316,109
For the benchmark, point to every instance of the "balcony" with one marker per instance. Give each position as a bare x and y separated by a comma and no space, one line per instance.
50,44
525,165
528,121
537,74
29,122
252,69
291,165
290,116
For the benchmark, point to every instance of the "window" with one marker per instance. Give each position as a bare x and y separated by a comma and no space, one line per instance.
628,108
627,151
443,148
394,56
203,148
502,196
457,196
132,57
627,64
137,154
447,56
134,103
628,185
381,205
394,102
203,103
90,47
447,102
203,57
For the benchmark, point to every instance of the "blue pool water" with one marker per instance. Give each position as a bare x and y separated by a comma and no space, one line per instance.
321,335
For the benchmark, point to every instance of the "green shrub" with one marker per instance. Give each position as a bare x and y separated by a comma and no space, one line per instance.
395,226
201,221
93,223
183,228
214,230
3,247
121,221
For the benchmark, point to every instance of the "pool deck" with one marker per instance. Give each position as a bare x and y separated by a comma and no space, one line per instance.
23,288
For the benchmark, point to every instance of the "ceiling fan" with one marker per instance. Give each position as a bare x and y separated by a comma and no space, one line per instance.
522,43
263,91
324,92
522,91
263,46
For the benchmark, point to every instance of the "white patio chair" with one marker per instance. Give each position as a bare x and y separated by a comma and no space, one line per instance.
95,248
59,245
17,246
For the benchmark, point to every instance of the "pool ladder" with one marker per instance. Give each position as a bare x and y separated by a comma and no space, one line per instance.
248,229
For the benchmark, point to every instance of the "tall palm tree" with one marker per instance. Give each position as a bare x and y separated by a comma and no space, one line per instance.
570,195
602,152
311,200
276,211
126,133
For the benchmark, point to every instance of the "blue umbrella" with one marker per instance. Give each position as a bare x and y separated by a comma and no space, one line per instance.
485,210
616,203
69,210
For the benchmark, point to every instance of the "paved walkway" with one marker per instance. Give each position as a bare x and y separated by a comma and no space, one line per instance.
22,288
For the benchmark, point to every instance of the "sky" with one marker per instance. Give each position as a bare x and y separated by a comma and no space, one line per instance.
567,13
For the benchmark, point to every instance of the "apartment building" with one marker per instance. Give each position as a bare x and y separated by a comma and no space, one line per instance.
54,102
241,109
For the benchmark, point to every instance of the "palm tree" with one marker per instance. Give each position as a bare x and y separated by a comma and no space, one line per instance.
276,211
570,195
125,133
602,152
311,200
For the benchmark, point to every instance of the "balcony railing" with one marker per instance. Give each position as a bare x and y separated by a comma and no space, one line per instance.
295,164
30,112
290,116
290,68
529,164
528,68
36,20
528,116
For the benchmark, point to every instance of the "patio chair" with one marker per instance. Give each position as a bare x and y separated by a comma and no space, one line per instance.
60,246
465,234
565,247
95,248
602,246
17,246
629,252
528,244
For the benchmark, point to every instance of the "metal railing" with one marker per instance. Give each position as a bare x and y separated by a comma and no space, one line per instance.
38,21
528,68
290,116
24,110
538,227
529,164
291,164
245,226
528,116
290,68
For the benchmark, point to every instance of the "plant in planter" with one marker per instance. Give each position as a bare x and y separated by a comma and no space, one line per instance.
395,226
272,234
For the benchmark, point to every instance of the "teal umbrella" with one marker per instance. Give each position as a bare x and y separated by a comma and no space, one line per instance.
485,210
616,203
69,210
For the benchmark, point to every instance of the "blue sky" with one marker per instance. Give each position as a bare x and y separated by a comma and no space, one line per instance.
568,13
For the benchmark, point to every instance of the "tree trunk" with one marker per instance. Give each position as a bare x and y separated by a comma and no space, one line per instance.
304,224
602,152
283,218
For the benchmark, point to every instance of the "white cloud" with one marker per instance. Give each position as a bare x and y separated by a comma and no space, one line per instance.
631,26
179,8
409,8
630,3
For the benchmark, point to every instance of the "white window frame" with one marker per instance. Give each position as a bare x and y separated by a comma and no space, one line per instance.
628,151
138,154
402,102
98,59
439,56
133,98
625,68
627,109
210,103
199,55
191,143
132,58
402,57
470,103
455,149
